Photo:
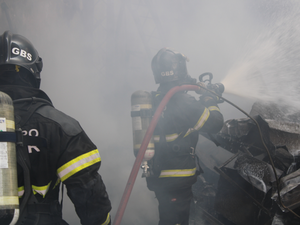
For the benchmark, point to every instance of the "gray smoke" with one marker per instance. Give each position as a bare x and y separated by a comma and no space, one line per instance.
96,53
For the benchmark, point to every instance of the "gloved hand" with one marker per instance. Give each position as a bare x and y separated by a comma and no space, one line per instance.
211,97
201,91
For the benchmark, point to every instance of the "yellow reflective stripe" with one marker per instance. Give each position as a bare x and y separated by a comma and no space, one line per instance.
10,124
9,200
107,220
203,118
21,191
171,137
178,173
77,164
213,108
42,190
150,146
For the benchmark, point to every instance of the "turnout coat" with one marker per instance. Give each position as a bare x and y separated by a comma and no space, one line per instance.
175,164
58,150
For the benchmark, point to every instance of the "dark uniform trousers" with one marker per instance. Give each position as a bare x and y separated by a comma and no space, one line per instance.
174,206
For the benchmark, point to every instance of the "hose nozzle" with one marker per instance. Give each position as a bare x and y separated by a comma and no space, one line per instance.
218,88
205,81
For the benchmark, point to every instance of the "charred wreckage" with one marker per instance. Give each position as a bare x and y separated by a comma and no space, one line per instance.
262,147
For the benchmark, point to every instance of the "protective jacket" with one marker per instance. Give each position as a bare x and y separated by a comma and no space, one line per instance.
58,150
176,136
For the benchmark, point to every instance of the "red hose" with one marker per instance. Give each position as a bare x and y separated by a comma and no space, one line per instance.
141,153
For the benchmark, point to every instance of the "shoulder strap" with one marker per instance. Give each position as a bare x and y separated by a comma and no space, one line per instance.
36,103
22,155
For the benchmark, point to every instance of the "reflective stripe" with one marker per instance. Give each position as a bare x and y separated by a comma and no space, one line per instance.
107,220
178,173
42,190
150,146
169,137
203,118
156,138
213,108
199,123
79,163
21,191
66,171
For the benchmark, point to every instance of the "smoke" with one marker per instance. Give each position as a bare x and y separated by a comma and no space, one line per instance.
96,53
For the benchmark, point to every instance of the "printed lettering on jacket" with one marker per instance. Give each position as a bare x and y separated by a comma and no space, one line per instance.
34,133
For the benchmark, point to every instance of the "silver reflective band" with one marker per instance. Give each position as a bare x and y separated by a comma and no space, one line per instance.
79,163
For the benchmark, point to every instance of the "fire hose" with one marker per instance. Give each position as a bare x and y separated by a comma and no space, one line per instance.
139,158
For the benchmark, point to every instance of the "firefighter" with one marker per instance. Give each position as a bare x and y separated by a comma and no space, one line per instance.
53,148
174,165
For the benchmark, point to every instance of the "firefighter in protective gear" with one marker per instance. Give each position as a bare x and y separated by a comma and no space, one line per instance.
174,164
53,148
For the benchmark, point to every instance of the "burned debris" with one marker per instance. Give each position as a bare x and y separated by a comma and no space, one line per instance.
246,191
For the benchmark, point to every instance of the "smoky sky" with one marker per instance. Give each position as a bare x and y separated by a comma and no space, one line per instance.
96,53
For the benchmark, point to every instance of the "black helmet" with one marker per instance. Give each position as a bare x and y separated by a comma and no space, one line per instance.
17,50
168,65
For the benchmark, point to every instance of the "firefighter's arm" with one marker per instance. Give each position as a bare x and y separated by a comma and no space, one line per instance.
202,115
78,170
215,119
90,198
